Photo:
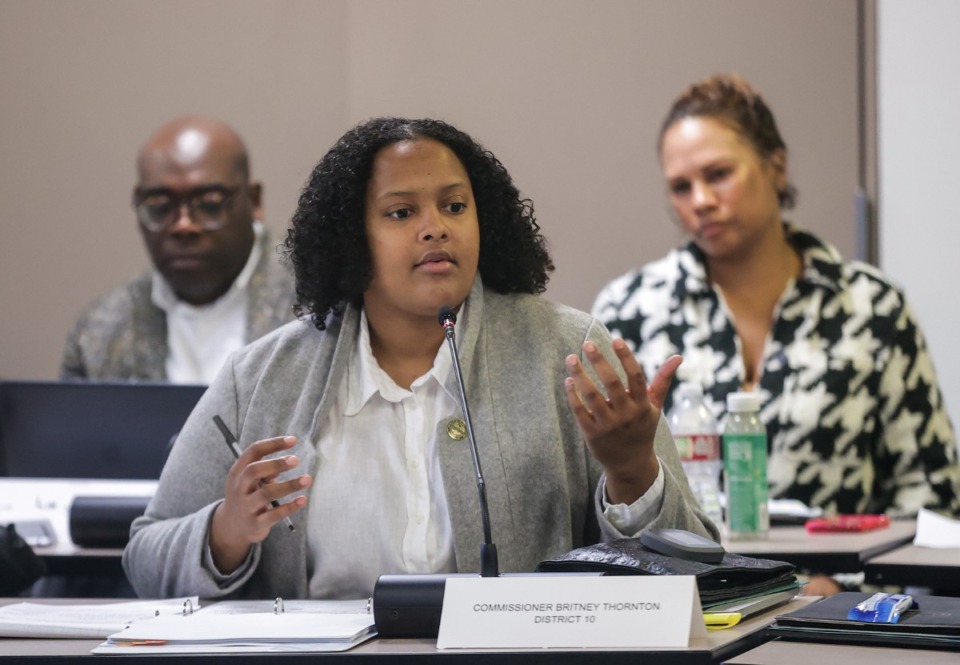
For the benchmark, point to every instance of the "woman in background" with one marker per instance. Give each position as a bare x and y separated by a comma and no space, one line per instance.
854,414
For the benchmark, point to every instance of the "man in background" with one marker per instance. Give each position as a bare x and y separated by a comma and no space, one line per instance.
217,282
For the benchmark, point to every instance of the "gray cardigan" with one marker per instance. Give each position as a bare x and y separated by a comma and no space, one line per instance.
541,481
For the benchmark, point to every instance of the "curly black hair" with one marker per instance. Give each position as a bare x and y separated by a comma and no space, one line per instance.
327,242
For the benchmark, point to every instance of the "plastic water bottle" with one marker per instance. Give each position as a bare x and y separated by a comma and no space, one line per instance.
695,431
745,468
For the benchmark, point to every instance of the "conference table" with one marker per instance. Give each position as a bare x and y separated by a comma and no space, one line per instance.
68,559
885,556
783,652
717,647
824,552
936,568
827,553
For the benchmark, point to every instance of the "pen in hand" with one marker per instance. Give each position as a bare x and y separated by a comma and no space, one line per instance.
235,449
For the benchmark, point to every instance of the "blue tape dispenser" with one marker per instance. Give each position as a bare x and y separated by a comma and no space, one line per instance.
882,608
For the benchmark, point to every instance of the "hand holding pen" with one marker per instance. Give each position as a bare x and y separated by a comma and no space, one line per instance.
250,507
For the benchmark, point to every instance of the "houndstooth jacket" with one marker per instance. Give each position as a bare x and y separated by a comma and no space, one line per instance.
854,414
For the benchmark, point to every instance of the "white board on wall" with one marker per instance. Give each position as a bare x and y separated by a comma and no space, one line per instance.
918,120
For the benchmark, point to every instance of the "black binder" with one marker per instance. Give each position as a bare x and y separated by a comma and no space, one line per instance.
934,624
734,577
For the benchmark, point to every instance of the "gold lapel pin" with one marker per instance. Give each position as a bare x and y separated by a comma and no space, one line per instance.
457,429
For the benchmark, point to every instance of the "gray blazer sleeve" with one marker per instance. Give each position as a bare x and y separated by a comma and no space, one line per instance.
679,508
164,557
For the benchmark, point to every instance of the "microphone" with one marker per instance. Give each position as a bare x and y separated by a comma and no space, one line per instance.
489,566
406,606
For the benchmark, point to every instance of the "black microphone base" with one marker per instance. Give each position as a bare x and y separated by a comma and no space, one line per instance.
410,605
489,563
104,521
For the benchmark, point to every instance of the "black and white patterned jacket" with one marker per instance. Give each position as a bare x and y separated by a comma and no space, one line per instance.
854,413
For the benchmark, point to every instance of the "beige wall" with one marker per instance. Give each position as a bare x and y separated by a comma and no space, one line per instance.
569,94
918,145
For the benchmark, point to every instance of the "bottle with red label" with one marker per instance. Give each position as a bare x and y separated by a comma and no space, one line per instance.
698,441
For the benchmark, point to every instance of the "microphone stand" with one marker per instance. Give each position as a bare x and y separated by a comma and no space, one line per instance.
407,606
489,565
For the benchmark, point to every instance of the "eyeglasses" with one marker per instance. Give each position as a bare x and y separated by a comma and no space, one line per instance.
158,210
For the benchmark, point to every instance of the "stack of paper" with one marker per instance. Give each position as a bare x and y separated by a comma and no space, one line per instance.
727,614
83,621
934,530
233,627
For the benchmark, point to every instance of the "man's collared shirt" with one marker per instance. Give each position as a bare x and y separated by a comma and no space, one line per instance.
199,339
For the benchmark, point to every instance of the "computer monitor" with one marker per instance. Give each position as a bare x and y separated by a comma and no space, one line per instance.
89,429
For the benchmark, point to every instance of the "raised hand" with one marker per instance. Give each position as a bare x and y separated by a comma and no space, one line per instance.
246,515
619,429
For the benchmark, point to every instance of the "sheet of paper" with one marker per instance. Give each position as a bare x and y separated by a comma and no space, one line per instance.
792,508
91,620
934,530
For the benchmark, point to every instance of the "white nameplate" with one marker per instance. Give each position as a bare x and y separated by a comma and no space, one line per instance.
570,611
